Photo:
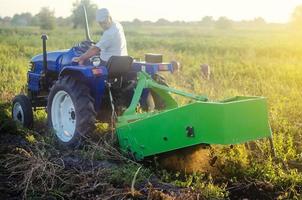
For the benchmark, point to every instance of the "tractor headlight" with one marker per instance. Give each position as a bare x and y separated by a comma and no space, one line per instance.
96,61
31,66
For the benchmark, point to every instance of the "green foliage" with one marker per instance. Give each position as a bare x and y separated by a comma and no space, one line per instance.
6,124
123,175
78,13
207,21
297,17
46,19
198,182
237,164
23,19
223,23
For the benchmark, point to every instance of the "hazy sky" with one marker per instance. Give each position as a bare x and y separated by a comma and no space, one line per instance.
188,10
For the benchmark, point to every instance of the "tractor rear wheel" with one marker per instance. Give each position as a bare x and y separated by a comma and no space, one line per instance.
71,112
153,100
22,111
158,101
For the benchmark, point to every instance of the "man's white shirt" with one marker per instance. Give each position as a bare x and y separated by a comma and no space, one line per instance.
113,42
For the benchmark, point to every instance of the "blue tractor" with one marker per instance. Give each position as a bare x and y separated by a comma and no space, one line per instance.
76,96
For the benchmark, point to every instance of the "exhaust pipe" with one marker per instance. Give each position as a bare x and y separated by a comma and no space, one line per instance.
44,37
86,25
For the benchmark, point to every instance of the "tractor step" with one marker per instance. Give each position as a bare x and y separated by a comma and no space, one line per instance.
231,121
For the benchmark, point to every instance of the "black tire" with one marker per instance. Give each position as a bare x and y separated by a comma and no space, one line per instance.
153,100
159,103
84,111
24,117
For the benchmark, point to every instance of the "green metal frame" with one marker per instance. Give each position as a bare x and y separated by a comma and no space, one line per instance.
146,81
231,121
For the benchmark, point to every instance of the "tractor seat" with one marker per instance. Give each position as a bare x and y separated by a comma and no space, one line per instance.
118,66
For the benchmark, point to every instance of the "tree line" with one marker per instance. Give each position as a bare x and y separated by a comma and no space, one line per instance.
46,19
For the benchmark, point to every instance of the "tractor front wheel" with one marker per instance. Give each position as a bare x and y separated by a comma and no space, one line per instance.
22,111
71,112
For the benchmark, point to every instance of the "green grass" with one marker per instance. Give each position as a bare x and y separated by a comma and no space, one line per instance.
243,62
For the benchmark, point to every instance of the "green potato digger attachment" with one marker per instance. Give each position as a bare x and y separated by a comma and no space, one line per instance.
231,121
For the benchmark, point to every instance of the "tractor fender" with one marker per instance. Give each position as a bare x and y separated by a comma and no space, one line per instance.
96,82
77,72
84,71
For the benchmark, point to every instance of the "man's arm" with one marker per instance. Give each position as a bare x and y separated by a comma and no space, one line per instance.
92,51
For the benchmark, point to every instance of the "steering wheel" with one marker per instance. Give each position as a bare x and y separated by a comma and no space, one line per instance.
83,46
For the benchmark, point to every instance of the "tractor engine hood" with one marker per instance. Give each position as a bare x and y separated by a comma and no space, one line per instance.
53,59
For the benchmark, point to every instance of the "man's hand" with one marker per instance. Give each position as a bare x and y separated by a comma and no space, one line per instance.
91,52
78,60
75,59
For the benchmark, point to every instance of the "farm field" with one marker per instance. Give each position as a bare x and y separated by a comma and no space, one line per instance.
252,62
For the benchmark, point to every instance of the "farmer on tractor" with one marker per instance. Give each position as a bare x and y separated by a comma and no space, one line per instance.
112,43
